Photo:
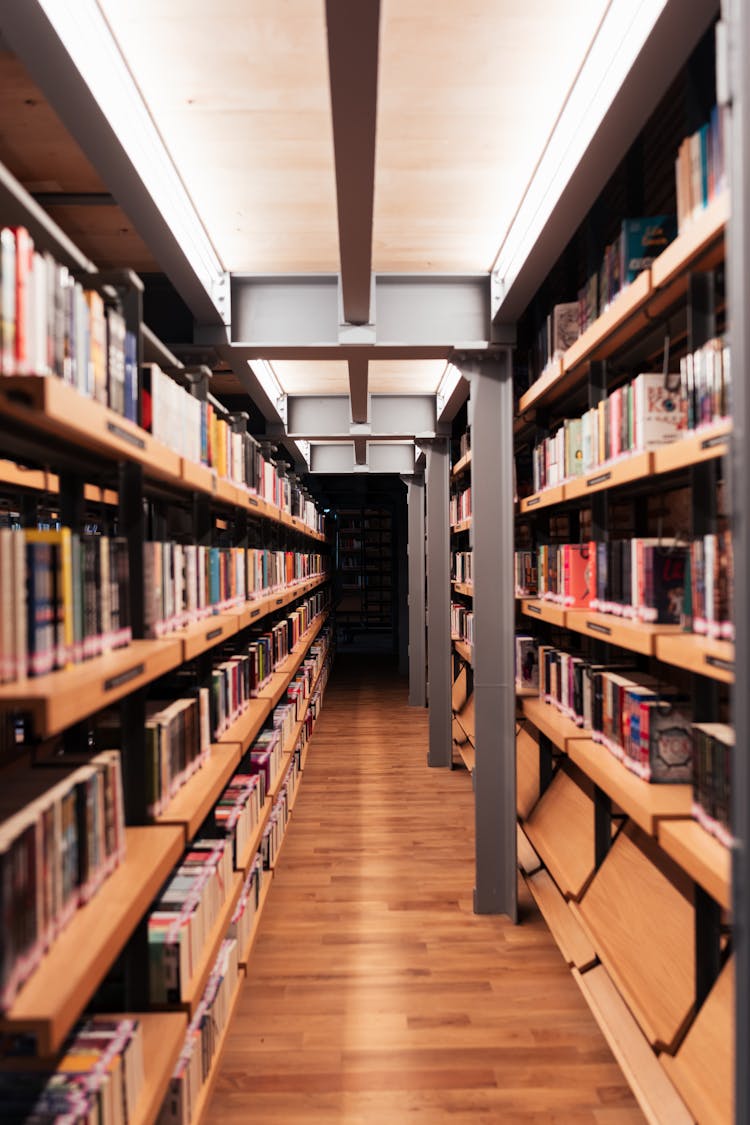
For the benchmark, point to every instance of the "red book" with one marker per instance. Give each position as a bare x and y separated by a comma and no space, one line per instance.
24,267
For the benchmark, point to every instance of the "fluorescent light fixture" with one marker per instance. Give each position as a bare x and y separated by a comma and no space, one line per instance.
93,49
448,383
270,385
625,28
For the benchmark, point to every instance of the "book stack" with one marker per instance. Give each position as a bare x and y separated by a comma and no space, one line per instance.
275,831
202,1039
557,333
462,623
709,582
98,1078
713,744
526,663
268,571
247,906
461,568
460,506
51,325
643,722
182,917
184,583
63,834
525,573
565,574
234,682
284,721
237,813
266,758
706,383
65,597
701,167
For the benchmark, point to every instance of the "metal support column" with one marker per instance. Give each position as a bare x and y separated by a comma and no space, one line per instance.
417,637
738,253
491,416
438,604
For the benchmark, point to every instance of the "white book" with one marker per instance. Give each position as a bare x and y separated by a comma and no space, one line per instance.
659,413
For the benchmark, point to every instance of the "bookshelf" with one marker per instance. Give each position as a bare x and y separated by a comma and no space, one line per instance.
367,576
65,452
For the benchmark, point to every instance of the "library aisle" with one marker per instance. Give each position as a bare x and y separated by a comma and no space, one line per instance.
374,993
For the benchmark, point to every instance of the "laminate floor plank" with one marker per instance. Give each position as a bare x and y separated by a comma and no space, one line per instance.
374,992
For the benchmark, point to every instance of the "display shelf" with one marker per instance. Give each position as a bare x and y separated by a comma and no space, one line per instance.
544,611
657,1097
462,525
644,802
612,474
543,499
550,722
247,952
61,698
72,969
639,913
571,939
255,610
201,1102
703,1068
527,772
704,444
528,861
461,465
637,636
206,634
194,801
625,316
561,830
254,842
700,246
163,1037
465,588
696,653
706,859
549,377
195,987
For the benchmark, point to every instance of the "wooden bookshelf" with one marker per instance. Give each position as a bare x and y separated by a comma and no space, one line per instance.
70,972
462,525
572,940
561,830
645,803
18,476
543,499
637,636
656,1095
58,700
703,1068
194,801
549,378
196,986
461,465
204,1096
248,724
163,1037
280,850
544,611
247,952
463,649
527,772
280,778
698,654
612,474
254,842
700,246
625,316
550,722
528,861
206,634
705,858
465,588
282,677
696,446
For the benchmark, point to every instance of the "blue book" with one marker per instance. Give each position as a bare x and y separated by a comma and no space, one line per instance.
642,240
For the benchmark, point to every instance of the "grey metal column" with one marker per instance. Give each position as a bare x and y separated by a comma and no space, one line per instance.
438,604
738,252
417,622
401,586
491,419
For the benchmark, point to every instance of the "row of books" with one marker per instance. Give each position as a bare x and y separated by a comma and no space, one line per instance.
525,573
202,1039
460,506
184,582
248,905
461,567
713,747
526,662
659,580
462,623
462,447
65,599
706,383
98,1078
62,834
51,325
236,814
701,166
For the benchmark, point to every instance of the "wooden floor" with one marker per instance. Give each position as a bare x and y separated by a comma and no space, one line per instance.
375,994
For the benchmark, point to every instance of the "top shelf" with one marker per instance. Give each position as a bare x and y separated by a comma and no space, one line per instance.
699,246
46,405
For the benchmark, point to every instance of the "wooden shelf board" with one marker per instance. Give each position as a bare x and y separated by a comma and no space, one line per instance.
548,721
526,693
539,388
280,778
247,952
644,803
705,858
638,910
204,1097
704,232
207,633
18,476
463,650
561,830
696,446
62,698
703,1068
541,610
468,755
638,466
528,860
192,804
564,927
465,588
462,525
254,842
461,464
196,986
248,725
698,654
69,973
163,1037
609,330
543,499
527,772
654,1092
466,719
637,636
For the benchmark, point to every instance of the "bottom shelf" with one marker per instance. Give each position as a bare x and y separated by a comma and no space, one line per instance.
163,1036
207,1088
565,928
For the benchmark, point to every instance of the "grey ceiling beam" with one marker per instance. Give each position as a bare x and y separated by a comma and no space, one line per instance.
298,314
342,458
25,26
323,417
353,33
358,387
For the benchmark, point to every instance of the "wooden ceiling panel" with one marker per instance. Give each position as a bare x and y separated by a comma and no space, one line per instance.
405,377
313,377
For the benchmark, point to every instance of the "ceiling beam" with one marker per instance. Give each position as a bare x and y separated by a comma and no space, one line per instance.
327,417
358,387
360,451
342,457
353,31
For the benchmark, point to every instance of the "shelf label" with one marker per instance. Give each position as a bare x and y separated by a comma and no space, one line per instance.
279,601
596,628
125,435
533,609
212,634
717,662
124,677
534,500
253,501
712,442
255,613
600,479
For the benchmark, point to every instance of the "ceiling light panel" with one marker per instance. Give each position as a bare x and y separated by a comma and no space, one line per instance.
312,377
407,377
239,92
468,96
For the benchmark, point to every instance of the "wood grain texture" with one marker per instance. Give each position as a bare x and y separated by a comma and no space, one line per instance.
374,993
561,828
